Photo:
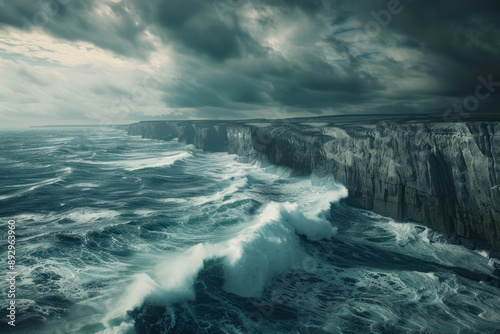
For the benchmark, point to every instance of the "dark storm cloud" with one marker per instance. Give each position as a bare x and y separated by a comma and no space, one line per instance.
461,38
195,27
417,61
78,21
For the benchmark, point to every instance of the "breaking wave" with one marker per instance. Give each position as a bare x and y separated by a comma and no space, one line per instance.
125,235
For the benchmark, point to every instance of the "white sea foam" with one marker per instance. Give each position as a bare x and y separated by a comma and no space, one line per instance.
251,260
177,274
422,242
90,215
59,140
280,171
123,328
83,185
265,248
136,162
261,252
107,257
312,226
33,186
271,247
238,182
165,161
484,253
134,296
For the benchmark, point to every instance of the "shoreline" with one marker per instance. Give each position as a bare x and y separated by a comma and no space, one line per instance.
444,175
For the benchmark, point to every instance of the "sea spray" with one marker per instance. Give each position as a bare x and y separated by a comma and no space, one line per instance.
125,235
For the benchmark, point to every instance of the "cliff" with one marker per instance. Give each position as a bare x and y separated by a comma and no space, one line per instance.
442,174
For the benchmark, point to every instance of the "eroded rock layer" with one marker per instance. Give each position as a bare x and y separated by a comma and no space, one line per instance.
441,174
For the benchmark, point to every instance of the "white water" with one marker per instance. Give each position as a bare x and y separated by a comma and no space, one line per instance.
122,223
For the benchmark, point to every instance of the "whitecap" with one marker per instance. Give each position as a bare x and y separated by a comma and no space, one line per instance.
132,165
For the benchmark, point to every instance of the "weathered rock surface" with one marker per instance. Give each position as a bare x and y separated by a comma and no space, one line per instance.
445,175
163,130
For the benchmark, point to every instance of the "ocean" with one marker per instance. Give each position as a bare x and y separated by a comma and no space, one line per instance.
119,234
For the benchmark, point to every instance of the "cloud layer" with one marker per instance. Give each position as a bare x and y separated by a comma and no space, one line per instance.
69,61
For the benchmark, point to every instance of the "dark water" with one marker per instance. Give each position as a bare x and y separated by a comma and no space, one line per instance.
117,234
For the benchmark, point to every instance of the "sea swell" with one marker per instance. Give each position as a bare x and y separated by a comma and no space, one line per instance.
124,235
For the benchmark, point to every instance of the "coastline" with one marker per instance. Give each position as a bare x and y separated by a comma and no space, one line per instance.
442,174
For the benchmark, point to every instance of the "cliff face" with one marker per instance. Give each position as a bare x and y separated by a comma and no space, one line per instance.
163,130
206,136
442,174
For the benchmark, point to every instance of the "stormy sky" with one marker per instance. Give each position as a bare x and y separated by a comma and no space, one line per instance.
118,61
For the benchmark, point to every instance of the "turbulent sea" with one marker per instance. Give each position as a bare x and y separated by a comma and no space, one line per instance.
118,234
